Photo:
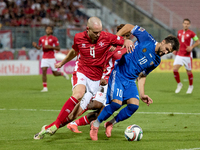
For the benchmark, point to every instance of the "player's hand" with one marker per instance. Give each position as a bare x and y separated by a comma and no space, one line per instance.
103,82
129,45
59,65
146,99
48,47
112,48
34,44
189,48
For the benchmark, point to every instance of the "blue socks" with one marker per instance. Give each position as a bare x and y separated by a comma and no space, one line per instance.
108,111
126,112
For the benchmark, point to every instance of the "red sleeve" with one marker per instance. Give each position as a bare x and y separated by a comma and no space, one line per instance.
74,46
193,34
56,42
116,40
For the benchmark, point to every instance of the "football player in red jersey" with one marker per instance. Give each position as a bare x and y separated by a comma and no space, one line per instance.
48,43
91,47
99,101
184,55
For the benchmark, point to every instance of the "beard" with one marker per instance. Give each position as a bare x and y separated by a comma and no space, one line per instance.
160,53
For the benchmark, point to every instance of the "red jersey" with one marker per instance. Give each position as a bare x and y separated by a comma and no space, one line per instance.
185,40
92,56
48,40
110,62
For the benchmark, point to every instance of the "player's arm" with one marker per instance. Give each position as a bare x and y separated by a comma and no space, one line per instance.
125,29
197,42
72,53
36,46
141,83
57,48
127,43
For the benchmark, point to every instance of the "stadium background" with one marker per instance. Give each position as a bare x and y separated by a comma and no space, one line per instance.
170,123
23,21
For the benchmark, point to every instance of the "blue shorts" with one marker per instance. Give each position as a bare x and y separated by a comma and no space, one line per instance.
120,89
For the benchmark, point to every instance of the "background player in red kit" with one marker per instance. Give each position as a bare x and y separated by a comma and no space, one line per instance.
91,46
48,43
184,55
99,101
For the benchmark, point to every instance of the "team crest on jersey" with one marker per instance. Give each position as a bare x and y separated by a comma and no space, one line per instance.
119,52
187,35
144,50
152,63
50,40
83,45
101,44
141,29
118,38
42,40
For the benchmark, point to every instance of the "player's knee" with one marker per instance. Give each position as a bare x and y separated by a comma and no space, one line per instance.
113,107
175,70
131,108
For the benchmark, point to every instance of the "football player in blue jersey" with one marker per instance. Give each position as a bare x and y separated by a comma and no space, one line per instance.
131,67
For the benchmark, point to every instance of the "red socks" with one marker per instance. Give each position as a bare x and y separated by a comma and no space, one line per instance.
44,84
67,108
176,76
190,78
82,121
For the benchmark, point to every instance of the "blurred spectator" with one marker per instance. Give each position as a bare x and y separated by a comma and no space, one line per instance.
1,45
41,12
35,5
46,20
2,6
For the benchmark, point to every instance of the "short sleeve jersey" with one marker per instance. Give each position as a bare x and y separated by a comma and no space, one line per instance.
110,62
143,59
92,56
185,39
48,40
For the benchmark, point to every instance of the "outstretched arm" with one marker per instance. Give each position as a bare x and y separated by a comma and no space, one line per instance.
141,82
72,53
125,29
127,43
36,46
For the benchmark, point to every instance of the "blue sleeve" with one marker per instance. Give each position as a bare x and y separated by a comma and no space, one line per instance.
141,34
148,70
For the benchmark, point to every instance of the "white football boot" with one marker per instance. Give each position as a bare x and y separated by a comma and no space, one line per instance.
179,87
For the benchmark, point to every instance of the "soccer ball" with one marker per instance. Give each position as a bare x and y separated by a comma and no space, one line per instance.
133,133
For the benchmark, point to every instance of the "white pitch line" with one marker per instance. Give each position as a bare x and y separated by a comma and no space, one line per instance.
159,113
189,149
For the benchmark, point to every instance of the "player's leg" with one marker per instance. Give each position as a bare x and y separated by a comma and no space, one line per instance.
44,66
132,100
114,99
91,89
85,120
188,66
54,70
62,119
44,79
177,64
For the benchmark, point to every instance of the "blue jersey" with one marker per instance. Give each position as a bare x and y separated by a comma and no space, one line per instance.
143,59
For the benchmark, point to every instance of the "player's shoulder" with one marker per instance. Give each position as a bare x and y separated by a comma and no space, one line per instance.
80,34
180,31
190,31
42,37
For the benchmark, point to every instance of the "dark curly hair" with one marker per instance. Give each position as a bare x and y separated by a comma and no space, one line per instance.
174,41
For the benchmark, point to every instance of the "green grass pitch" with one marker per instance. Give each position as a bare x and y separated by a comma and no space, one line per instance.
172,122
